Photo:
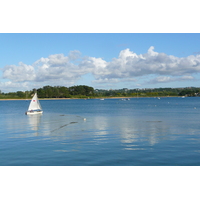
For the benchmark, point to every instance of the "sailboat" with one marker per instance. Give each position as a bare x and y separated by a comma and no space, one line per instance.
34,107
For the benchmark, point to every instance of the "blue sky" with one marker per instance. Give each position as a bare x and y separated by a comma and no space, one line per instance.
100,60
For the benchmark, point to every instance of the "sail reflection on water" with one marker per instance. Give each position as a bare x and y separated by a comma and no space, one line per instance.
34,122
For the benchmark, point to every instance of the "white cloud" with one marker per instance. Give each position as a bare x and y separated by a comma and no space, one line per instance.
74,55
114,80
151,52
9,86
19,73
128,64
167,79
60,69
164,79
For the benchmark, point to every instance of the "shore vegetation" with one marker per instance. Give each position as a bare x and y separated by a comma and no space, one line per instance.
83,91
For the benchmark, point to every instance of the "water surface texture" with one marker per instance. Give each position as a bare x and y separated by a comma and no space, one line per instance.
135,132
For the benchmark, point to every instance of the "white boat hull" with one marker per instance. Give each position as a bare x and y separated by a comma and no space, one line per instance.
33,112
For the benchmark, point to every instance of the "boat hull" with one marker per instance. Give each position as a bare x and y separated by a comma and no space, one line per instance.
33,112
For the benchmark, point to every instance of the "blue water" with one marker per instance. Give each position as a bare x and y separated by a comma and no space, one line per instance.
139,132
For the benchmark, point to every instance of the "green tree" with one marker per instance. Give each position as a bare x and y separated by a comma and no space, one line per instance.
20,94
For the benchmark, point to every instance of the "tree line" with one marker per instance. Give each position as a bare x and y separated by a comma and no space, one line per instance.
156,92
80,91
83,91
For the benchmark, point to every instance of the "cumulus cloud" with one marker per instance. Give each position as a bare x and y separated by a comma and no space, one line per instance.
163,79
9,86
167,79
56,67
114,80
19,73
74,55
128,66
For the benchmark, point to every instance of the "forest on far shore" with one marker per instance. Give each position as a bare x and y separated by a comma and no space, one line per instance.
83,91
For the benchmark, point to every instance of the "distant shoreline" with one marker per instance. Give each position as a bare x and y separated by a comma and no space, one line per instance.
86,98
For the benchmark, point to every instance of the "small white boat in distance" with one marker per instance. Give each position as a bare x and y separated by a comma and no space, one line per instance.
34,107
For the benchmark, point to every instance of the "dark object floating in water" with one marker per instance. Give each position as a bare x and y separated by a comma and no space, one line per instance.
64,126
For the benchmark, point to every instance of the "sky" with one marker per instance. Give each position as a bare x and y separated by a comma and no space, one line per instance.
99,44
99,60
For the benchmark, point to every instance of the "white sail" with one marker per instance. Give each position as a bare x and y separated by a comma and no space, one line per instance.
34,106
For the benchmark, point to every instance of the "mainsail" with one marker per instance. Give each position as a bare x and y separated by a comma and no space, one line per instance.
35,104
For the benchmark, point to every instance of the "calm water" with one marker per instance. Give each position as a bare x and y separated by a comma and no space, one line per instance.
139,132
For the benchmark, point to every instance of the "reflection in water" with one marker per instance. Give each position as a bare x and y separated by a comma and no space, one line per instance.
100,125
52,126
61,127
34,122
100,128
23,126
132,131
